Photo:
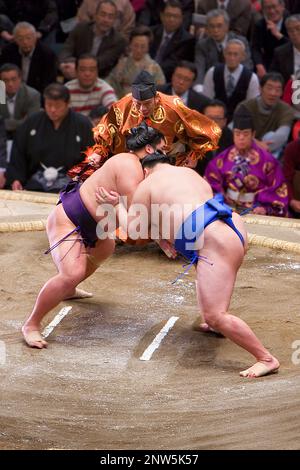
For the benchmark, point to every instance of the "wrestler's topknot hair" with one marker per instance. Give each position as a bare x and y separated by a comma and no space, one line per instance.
142,135
154,158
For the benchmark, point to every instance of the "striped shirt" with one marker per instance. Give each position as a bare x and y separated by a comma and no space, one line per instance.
83,101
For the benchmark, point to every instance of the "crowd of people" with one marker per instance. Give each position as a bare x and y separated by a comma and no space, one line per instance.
99,93
69,69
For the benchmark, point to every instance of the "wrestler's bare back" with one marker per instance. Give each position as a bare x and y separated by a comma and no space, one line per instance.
121,173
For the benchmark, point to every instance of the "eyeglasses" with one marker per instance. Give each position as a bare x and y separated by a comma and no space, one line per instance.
183,78
173,15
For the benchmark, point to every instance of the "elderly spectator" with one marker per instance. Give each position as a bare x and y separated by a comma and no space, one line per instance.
291,168
239,12
268,33
248,176
21,99
286,58
231,82
181,85
123,74
88,91
171,42
125,19
48,143
210,49
272,117
35,59
98,38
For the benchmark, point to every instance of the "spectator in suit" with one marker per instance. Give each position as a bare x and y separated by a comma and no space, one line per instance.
231,82
98,38
21,99
287,57
124,22
239,12
35,59
52,139
150,15
181,85
268,33
171,42
210,49
3,154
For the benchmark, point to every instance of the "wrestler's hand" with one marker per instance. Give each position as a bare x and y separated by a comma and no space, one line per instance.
167,248
94,159
105,197
259,210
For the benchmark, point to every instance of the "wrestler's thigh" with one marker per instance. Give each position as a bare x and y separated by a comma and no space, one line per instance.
70,255
215,283
102,250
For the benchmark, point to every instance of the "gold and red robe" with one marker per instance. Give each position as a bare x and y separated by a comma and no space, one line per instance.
179,125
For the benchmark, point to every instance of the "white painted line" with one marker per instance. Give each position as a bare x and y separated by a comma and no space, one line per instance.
146,356
57,319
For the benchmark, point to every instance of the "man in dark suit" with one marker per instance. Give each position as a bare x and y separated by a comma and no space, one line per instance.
181,84
98,38
172,42
210,49
287,57
269,32
21,99
35,59
150,15
239,12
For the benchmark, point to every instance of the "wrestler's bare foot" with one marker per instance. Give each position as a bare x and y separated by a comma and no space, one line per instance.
204,328
79,294
261,368
33,337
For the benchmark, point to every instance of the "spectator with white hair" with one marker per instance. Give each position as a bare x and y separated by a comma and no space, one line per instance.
231,82
210,49
36,60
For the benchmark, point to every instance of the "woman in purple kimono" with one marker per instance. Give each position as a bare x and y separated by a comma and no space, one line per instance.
247,175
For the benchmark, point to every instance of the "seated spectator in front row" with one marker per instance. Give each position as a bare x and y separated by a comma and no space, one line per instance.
247,175
21,99
216,111
138,59
36,60
273,119
88,90
291,170
231,82
181,84
48,144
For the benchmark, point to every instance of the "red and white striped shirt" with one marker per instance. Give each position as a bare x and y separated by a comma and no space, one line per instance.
83,101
